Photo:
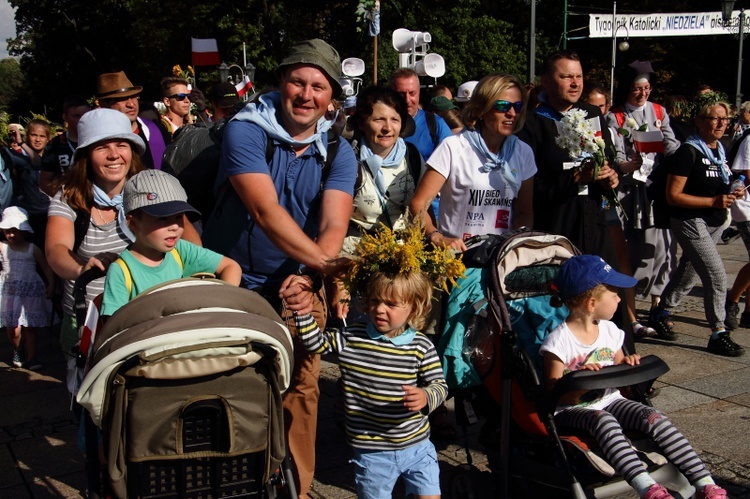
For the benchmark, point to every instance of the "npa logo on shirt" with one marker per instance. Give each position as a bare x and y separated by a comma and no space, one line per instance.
502,219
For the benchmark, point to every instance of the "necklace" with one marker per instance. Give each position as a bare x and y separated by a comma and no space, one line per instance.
101,217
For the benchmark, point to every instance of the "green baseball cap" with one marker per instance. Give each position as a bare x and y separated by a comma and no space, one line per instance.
317,53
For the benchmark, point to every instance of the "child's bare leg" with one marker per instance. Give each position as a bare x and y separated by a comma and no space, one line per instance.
30,342
14,335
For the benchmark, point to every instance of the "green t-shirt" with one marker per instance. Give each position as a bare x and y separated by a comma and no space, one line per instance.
194,259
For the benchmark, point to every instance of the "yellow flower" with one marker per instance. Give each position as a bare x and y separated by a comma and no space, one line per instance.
176,70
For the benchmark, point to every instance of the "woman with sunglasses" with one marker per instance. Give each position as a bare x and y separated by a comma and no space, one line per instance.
698,193
484,174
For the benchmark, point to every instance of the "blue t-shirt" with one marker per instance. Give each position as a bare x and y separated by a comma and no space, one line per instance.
297,182
421,137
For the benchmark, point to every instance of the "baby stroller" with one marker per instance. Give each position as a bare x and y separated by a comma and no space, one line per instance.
501,345
185,383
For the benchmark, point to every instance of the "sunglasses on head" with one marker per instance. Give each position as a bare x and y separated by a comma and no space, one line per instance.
179,96
504,106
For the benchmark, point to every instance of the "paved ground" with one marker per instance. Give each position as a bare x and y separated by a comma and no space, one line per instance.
708,398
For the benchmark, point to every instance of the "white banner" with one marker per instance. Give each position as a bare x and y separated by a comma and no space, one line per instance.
665,24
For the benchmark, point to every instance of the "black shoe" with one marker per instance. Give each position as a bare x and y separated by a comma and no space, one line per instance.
659,320
745,319
724,345
732,309
729,235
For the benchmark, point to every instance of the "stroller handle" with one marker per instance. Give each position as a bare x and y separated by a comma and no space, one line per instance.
79,291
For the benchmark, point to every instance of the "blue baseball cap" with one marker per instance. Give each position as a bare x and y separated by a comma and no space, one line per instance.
581,273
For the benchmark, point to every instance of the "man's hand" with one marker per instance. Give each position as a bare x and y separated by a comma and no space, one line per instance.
197,98
297,293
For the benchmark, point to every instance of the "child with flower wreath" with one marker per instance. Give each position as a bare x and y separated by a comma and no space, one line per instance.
390,370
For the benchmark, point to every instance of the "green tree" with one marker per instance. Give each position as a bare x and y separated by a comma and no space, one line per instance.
11,82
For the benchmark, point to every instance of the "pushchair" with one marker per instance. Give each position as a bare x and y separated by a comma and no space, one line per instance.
185,384
500,353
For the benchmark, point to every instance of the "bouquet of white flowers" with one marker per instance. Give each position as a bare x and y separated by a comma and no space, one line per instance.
581,137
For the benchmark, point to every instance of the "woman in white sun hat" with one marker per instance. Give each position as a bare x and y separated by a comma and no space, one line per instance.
24,296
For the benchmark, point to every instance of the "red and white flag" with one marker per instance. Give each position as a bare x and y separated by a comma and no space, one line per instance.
244,86
647,142
205,52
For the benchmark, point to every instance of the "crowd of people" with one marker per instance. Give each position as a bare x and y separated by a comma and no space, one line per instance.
296,187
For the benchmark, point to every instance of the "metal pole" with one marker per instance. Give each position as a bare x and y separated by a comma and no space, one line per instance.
738,94
614,49
532,43
565,25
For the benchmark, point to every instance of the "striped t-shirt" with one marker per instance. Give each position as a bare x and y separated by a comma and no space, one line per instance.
99,239
373,371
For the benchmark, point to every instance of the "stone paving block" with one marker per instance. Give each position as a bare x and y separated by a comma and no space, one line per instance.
673,398
721,384
49,456
742,399
719,427
17,492
25,406
71,486
9,474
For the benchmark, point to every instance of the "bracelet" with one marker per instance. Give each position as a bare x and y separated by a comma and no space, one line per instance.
429,234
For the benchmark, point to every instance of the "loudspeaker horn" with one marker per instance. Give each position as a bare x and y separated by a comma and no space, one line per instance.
431,65
353,66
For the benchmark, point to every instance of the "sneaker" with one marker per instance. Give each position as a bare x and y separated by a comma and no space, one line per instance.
724,345
729,235
733,309
745,319
659,321
16,358
641,331
711,491
657,491
32,365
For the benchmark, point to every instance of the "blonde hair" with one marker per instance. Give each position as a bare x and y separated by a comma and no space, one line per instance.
413,289
704,110
577,301
487,93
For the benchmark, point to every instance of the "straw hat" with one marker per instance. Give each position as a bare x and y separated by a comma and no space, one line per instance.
115,86
16,218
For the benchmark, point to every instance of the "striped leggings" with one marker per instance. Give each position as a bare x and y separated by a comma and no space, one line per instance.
700,262
607,427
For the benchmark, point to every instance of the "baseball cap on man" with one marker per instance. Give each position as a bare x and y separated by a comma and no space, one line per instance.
157,193
581,273
225,95
115,86
318,53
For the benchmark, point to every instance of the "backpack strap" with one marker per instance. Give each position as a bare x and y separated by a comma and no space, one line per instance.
432,126
80,227
129,278
658,111
413,162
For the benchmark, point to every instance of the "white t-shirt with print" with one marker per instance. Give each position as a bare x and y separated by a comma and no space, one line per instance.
562,343
472,201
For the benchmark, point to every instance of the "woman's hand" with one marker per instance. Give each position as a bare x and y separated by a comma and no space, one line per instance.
297,293
723,201
101,261
455,243
634,164
607,176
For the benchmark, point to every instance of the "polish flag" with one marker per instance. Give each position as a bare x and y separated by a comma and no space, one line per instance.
647,142
244,86
205,52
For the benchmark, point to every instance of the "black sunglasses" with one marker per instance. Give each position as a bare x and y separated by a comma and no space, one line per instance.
179,96
504,106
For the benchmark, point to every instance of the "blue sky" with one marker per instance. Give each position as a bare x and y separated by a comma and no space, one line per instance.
7,27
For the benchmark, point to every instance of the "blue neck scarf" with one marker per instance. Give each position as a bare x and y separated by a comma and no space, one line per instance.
402,339
698,143
496,161
375,162
102,199
263,114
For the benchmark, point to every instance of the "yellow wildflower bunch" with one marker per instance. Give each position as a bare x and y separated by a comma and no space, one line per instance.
401,252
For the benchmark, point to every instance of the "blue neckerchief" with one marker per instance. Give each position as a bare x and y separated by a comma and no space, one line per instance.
101,199
402,339
698,143
374,162
548,111
496,161
263,114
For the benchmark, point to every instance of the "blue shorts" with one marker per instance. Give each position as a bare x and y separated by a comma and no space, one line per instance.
376,471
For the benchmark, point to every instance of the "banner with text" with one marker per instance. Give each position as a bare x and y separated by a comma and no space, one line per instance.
665,24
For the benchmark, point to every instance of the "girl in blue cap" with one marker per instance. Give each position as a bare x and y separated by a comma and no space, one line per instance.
588,340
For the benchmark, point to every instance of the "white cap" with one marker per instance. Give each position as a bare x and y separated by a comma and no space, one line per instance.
465,90
105,124
16,218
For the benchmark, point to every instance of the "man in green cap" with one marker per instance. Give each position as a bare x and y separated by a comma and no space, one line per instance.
295,179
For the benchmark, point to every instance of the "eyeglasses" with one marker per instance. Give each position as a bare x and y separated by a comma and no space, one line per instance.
179,96
638,90
504,106
714,119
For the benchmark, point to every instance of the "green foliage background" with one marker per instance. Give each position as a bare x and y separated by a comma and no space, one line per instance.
63,45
